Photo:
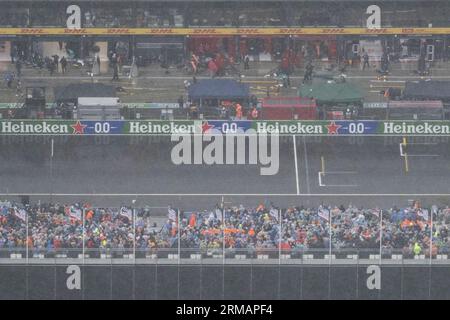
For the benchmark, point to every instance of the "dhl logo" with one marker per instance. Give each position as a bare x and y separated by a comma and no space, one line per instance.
417,31
161,31
248,31
291,31
75,31
333,30
376,30
204,31
118,31
32,31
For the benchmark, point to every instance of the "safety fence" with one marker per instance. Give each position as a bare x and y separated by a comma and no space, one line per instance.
263,234
192,256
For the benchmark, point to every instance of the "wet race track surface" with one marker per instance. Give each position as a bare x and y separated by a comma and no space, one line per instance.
348,169
224,282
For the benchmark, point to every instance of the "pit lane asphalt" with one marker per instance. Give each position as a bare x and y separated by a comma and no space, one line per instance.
153,84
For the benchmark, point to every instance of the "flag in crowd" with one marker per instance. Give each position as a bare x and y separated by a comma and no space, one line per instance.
274,213
73,212
172,214
20,213
219,215
423,213
126,212
434,209
376,212
324,213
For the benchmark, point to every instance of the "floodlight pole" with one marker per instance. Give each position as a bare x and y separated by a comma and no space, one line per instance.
381,233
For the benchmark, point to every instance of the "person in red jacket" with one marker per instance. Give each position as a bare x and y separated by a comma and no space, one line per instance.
212,68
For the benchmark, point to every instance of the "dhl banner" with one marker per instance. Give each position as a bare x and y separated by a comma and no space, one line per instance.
222,31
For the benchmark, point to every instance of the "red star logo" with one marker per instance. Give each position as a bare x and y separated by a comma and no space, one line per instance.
78,128
333,128
206,127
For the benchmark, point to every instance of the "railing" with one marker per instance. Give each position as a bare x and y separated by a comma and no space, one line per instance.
218,256
218,250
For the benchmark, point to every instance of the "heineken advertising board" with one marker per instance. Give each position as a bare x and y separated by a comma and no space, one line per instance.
159,127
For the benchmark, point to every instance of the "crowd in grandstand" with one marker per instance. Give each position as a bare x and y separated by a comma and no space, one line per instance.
53,227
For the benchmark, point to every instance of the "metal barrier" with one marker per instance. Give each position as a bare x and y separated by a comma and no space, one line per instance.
205,256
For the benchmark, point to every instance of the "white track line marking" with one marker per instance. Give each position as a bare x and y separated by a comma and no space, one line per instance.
296,164
320,179
423,155
321,184
339,172
402,154
226,194
323,173
306,165
340,185
424,144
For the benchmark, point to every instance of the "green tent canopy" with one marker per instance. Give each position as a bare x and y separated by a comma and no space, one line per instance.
332,93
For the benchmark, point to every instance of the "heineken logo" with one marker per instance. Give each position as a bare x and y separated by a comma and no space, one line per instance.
416,128
296,127
161,127
172,127
41,127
